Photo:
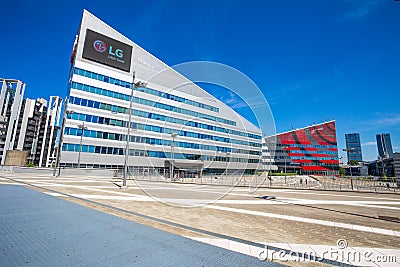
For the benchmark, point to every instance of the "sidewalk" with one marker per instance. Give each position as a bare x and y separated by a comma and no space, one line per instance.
40,230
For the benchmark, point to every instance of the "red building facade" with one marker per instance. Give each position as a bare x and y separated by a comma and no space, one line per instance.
311,150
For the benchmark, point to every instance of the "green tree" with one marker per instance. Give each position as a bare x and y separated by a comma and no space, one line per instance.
30,164
353,162
342,171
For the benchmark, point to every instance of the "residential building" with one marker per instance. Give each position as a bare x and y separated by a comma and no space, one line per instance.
353,147
38,128
311,150
175,124
27,125
11,96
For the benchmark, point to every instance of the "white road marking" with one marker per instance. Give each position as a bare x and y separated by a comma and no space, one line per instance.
359,256
307,220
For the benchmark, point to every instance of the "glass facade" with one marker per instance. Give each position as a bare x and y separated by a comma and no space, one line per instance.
185,125
353,147
107,79
384,143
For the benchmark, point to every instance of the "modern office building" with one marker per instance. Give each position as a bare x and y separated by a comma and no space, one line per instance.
11,97
174,123
353,147
311,150
384,143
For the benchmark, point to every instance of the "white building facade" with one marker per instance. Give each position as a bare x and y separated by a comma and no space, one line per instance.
28,124
11,97
173,121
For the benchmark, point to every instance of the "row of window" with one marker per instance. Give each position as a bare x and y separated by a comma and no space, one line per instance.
158,129
108,93
303,145
314,158
307,152
149,153
154,116
103,78
153,141
328,165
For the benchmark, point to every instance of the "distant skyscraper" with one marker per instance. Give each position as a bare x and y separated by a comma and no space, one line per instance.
384,145
353,146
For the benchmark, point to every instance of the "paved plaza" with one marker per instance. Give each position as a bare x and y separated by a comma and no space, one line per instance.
289,226
41,230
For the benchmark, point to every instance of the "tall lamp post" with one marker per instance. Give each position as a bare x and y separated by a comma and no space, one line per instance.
134,85
83,128
351,174
284,158
173,135
227,162
60,141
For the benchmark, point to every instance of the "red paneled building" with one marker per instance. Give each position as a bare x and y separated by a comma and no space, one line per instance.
310,150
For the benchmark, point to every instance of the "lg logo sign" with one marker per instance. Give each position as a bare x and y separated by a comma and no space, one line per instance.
106,50
101,47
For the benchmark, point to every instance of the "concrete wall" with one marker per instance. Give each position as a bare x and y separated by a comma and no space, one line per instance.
16,158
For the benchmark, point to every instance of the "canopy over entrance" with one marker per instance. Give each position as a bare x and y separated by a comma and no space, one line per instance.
185,168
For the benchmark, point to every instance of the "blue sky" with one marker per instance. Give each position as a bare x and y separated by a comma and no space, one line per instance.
313,60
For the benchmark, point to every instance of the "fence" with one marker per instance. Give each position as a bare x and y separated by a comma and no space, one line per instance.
291,182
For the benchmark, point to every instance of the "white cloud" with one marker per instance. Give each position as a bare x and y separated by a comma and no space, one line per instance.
373,143
361,9
387,119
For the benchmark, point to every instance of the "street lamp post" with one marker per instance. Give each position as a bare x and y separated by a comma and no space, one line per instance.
60,141
284,158
340,180
134,85
173,135
227,162
83,128
351,174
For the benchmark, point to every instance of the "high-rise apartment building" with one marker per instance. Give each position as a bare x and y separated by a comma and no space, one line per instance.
11,97
353,147
173,121
384,143
28,125
37,129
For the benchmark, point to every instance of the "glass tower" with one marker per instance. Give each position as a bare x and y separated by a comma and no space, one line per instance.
384,143
353,146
